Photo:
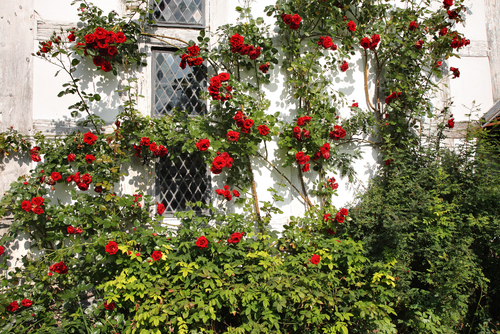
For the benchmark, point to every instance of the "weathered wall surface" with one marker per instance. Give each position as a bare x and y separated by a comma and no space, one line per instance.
16,80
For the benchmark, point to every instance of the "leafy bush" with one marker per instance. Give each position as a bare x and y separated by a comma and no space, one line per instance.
434,211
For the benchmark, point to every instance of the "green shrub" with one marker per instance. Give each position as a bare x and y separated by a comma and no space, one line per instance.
435,212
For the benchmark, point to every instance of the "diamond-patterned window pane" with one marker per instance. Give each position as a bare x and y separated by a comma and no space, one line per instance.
183,180
187,178
175,87
179,12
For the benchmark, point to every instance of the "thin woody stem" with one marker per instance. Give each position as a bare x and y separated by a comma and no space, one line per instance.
367,94
308,202
283,176
254,194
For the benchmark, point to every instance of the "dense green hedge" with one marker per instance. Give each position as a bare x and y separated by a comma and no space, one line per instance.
435,211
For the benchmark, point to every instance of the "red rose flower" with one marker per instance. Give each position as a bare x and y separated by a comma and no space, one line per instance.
325,151
392,96
365,42
447,3
215,82
224,76
219,162
110,307
326,42
153,147
100,33
112,50
374,41
71,157
337,133
443,31
89,38
110,36
106,67
236,193
301,158
233,136
193,50
89,138
160,209
2,249
89,158
344,212
264,67
413,26
248,123
59,268
351,26
418,44
111,247
71,36
202,242
305,168
144,141
344,66
26,206
70,229
103,46
38,210
303,120
56,176
236,43
326,217
156,255
203,144
35,157
98,61
339,218
13,306
263,130
120,37
315,259
438,64
254,53
296,19
287,18
87,178
456,72
235,238
26,302
452,14
161,151
37,201
451,123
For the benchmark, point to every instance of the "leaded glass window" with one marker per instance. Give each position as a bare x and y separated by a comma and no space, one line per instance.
186,178
174,87
179,12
